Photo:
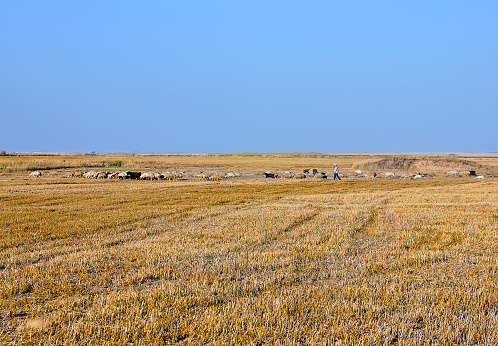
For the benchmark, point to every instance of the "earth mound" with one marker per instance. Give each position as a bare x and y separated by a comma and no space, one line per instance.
422,164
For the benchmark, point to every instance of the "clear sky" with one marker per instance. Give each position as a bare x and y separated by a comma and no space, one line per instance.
252,76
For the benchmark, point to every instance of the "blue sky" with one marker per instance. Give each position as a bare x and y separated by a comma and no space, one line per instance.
249,76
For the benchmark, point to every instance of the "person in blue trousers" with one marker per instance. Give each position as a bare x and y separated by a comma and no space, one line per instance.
336,172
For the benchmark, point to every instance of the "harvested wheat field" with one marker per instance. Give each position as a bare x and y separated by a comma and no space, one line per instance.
248,261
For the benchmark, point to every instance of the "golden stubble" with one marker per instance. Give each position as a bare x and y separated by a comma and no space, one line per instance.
87,262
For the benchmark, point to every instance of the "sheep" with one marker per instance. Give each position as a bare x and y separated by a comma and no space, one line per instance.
147,176
101,175
168,176
320,175
269,174
480,177
286,175
201,176
208,174
283,175
389,175
299,176
35,174
178,175
418,176
69,175
452,173
90,174
123,175
78,174
134,175
130,175
205,175
214,177
113,175
358,171
229,175
311,171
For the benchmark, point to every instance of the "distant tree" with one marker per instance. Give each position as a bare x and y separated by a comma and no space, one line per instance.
3,153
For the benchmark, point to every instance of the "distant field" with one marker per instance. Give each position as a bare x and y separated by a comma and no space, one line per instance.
250,260
249,163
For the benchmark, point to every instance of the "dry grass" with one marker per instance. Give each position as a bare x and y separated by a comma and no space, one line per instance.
249,163
252,261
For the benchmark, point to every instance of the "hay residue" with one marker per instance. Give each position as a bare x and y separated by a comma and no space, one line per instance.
36,323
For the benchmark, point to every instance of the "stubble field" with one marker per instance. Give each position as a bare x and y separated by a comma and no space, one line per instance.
246,261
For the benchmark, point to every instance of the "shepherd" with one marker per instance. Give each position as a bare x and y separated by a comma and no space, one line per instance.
336,172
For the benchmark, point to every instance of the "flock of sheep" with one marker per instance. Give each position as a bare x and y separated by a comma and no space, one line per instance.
130,175
214,176
358,174
461,174
316,174
142,175
307,173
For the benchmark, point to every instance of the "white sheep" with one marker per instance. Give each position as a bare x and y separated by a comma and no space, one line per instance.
90,174
148,176
205,175
35,174
123,175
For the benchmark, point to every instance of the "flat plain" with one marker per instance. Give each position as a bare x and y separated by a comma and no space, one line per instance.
249,261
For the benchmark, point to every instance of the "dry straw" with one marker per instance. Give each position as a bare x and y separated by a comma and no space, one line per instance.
93,262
